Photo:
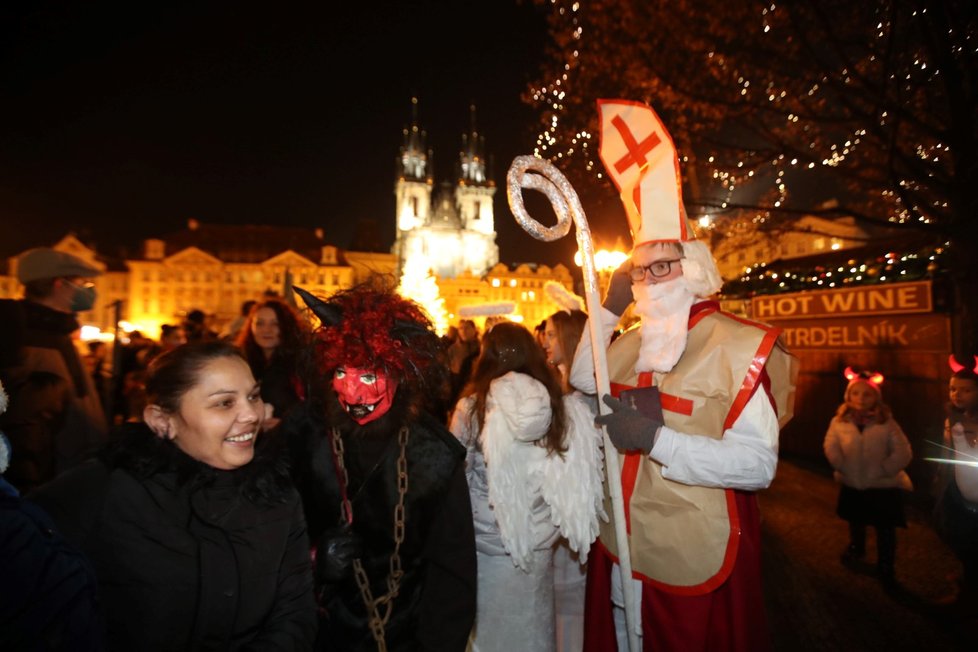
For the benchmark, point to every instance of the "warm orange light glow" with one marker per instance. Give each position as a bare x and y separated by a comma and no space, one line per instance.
604,260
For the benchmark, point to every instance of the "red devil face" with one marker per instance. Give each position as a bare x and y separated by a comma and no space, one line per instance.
366,395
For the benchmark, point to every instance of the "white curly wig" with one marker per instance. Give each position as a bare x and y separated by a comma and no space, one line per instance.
700,269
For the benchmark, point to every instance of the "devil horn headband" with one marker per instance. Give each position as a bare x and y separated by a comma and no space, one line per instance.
328,314
956,367
874,378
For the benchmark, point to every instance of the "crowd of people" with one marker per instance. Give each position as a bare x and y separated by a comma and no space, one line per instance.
339,477
300,486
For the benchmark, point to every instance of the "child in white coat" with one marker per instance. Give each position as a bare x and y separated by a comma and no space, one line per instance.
869,453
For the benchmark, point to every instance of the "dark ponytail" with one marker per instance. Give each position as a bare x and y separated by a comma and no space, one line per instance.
174,373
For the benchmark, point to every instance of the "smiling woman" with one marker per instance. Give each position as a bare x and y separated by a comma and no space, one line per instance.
193,503
217,419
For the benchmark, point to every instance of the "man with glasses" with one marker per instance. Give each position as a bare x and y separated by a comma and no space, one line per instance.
55,418
696,399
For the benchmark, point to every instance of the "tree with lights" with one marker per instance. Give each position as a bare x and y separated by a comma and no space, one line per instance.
777,109
419,285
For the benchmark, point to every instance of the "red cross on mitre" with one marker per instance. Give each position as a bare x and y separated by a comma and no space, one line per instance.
641,159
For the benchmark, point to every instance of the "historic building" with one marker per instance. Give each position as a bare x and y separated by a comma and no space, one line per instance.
213,268
449,228
745,246
216,268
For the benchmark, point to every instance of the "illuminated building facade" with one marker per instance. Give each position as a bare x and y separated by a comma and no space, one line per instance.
746,247
213,268
216,268
521,286
450,229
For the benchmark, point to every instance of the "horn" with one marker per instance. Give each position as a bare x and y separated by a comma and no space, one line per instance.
405,329
849,373
328,314
955,367
876,379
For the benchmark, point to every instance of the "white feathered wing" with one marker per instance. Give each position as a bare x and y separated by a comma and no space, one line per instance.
572,485
517,415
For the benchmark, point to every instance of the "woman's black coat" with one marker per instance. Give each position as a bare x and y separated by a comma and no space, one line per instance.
188,557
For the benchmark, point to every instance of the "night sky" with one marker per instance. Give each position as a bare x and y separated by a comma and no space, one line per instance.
122,120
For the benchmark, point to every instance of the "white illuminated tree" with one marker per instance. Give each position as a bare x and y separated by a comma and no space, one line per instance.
418,284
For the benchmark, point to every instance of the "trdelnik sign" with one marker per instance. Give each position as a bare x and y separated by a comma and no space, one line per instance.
893,316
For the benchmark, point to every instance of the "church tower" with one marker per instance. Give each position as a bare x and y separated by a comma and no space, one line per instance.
413,187
447,232
474,194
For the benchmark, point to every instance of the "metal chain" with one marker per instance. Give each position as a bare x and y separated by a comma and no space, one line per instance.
396,573
337,441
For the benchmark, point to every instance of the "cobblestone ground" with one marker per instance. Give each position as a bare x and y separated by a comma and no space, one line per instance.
815,603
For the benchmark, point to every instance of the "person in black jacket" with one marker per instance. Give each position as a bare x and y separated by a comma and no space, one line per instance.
383,482
196,534
47,589
56,419
272,339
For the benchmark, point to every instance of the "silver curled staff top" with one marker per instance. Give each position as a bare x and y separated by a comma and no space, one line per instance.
539,174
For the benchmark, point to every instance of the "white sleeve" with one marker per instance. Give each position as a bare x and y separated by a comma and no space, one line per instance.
745,458
461,422
582,370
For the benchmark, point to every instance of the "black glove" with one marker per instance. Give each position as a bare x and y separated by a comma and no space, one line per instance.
628,428
619,295
335,553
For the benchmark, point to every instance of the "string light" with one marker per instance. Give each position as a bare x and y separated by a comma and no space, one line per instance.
784,107
888,268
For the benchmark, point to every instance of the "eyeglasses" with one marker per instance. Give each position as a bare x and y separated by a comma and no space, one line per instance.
658,269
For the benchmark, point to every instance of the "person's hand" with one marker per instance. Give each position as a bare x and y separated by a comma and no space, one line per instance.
337,550
628,428
619,295
969,436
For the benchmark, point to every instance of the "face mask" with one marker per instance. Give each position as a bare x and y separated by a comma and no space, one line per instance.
364,394
84,297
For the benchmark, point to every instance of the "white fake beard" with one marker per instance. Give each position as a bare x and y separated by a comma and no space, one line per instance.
664,309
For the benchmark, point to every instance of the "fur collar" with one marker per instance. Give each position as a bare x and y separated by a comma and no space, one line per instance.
265,480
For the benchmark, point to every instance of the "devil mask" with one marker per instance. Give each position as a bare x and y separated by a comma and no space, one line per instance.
366,395
372,341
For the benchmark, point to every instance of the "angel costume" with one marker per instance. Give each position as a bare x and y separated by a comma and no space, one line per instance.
523,499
